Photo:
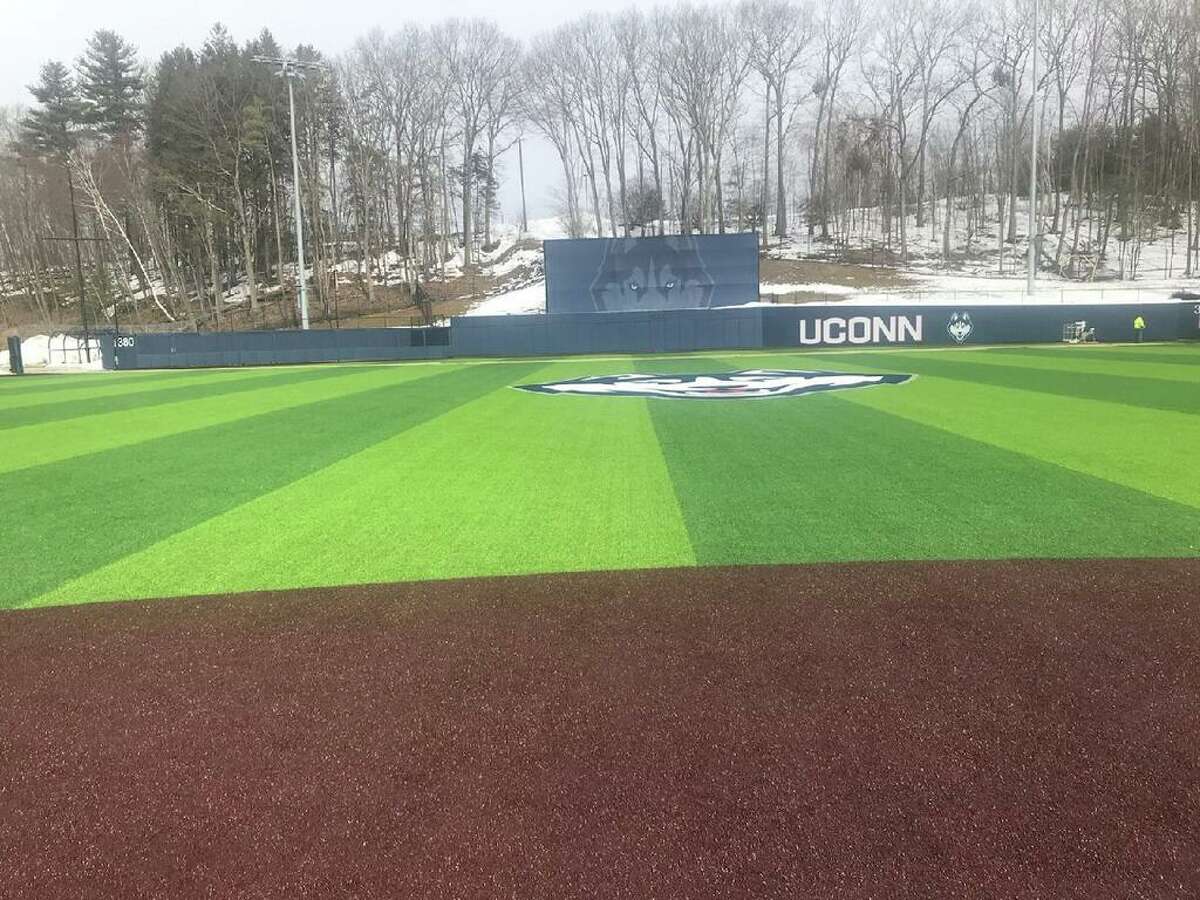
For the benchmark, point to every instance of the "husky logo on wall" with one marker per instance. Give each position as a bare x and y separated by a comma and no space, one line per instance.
752,383
960,326
667,273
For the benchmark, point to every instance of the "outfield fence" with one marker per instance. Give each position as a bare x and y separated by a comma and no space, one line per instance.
265,348
666,331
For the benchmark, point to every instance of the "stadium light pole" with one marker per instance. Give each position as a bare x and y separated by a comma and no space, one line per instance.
1031,275
290,69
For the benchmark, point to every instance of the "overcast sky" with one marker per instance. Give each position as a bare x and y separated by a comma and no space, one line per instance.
33,31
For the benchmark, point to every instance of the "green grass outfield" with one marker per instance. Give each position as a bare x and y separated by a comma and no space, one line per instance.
140,485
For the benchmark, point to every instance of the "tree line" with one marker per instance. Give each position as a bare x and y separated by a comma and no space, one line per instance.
903,124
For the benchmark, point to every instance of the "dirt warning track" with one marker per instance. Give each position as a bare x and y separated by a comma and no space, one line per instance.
968,729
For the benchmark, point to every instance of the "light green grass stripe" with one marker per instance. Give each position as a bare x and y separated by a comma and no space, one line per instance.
112,384
50,442
1067,362
79,514
1174,396
48,383
1176,354
234,382
1149,450
512,482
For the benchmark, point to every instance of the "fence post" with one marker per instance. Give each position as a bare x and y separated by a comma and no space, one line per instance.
16,365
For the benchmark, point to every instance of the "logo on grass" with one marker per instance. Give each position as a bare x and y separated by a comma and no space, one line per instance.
960,326
750,384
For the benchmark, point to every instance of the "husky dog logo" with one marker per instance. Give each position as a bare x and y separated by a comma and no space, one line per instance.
751,383
664,273
960,326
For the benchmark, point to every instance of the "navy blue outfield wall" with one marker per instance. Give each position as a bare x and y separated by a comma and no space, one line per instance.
837,325
659,331
811,325
267,348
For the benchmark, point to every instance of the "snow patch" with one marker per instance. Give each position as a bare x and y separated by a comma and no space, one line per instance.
529,300
814,287
55,353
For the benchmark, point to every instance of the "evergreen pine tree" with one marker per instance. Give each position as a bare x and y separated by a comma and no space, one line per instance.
52,128
112,84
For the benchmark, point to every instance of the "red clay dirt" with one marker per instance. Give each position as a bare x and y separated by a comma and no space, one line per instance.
963,729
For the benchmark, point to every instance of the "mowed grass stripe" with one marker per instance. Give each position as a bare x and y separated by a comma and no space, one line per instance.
232,383
819,478
1068,362
82,513
80,387
1174,396
512,482
1171,354
1146,449
47,384
53,441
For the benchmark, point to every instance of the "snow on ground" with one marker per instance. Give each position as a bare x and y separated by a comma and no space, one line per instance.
528,258
973,280
547,229
807,287
931,290
501,261
956,290
539,230
527,300
1154,252
57,353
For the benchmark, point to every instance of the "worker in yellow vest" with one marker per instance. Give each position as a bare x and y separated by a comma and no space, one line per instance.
1139,325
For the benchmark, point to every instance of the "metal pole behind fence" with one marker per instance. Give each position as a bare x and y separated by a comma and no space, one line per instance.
1031,275
300,274
78,264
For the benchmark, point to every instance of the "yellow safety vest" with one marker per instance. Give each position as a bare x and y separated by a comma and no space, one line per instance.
1139,323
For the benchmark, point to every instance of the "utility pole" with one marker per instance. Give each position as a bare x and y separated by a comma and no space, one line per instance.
87,344
290,69
77,240
521,167
1031,275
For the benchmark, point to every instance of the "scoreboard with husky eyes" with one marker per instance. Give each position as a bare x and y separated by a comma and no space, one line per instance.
697,271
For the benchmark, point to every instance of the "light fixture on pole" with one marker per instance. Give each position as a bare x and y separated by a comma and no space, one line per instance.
290,69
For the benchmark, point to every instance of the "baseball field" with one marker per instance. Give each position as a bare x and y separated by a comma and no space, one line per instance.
395,629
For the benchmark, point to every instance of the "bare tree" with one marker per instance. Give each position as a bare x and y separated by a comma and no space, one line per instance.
777,34
479,60
545,103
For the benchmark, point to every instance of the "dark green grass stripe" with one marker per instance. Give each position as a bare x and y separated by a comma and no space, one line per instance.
1173,355
237,382
101,513
683,365
51,383
1154,393
819,478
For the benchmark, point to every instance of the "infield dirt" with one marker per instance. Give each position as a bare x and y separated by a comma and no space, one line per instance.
967,729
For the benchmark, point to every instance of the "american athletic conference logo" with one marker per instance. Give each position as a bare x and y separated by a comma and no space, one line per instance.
960,326
748,384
